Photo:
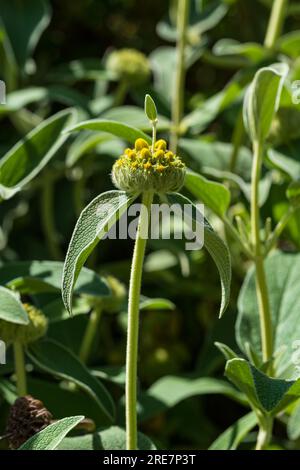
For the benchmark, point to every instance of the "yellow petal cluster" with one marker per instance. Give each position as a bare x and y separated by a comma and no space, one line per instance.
143,169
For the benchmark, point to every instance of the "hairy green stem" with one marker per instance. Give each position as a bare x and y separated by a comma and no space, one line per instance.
89,334
261,283
275,23
271,242
178,91
20,369
133,322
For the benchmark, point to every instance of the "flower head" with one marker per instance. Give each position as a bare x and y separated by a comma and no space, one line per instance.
129,65
145,169
25,334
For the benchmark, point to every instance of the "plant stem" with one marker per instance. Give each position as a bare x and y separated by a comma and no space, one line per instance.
154,124
264,433
120,93
20,369
261,283
178,91
275,23
271,242
237,140
89,334
133,322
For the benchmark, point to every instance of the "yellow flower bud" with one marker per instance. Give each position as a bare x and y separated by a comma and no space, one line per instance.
25,334
160,171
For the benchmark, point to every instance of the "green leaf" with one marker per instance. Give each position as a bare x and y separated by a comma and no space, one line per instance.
150,108
113,438
266,394
94,222
216,155
262,100
235,434
252,51
293,193
163,62
29,156
282,274
289,44
50,437
168,391
293,427
24,22
45,276
86,142
11,309
156,304
227,352
55,359
135,117
214,195
285,163
264,183
215,246
119,129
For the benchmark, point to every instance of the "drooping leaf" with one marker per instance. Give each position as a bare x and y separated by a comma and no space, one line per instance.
262,100
214,195
54,358
29,156
50,437
235,434
282,273
266,394
119,129
24,22
212,242
11,308
113,438
94,222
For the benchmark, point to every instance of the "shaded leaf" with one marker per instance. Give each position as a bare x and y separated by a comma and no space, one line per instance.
29,156
54,358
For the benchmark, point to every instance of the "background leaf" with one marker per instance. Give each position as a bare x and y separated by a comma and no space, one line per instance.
284,305
27,158
262,100
55,359
11,309
235,434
